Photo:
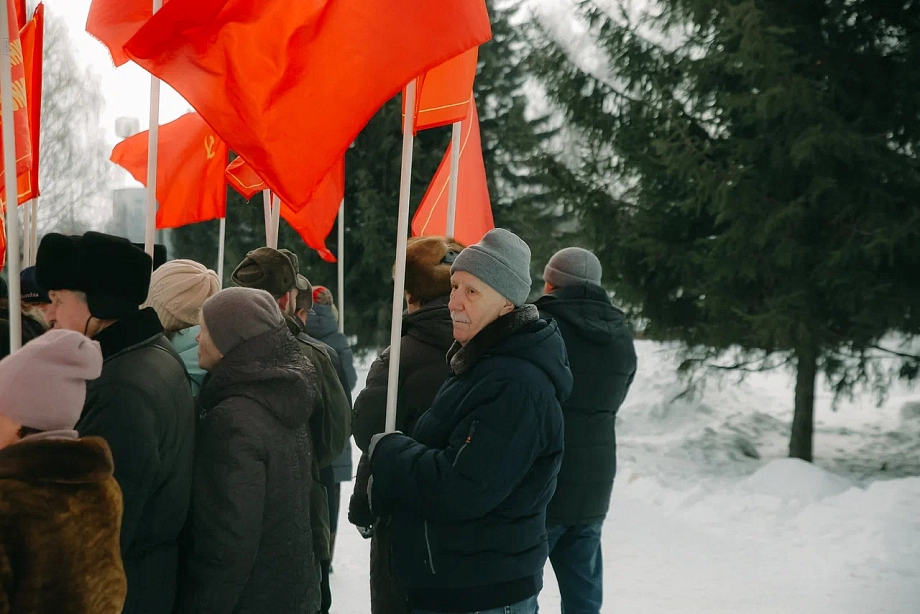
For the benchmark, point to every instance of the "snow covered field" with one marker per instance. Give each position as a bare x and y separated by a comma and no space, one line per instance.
696,525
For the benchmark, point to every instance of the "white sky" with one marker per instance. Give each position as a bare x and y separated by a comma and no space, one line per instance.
126,89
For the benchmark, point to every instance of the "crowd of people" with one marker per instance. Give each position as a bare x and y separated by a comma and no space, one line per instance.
168,446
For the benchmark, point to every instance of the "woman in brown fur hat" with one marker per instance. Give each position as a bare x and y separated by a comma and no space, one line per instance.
427,335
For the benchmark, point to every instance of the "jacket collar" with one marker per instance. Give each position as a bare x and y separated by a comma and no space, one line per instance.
127,333
463,359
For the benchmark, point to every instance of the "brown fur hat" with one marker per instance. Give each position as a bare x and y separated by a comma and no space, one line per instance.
428,261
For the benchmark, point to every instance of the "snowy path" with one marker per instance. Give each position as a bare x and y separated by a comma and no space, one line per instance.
697,527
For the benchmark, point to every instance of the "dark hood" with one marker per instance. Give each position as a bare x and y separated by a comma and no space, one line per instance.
431,324
523,335
587,310
269,369
321,323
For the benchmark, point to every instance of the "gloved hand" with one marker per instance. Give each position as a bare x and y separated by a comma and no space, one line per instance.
359,507
375,440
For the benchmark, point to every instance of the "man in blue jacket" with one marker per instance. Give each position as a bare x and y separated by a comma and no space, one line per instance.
468,494
603,363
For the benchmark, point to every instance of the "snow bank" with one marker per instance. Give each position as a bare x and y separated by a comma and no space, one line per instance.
794,479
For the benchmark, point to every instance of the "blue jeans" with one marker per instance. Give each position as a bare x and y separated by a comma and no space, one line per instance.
575,553
528,606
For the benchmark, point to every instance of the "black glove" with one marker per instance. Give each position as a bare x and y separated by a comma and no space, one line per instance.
359,507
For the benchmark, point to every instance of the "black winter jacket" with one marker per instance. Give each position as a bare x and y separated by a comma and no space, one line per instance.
142,406
468,495
603,361
251,544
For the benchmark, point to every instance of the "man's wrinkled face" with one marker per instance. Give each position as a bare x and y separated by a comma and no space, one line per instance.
474,305
68,310
208,354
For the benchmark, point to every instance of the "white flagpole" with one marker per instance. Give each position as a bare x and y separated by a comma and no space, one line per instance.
340,257
267,211
152,143
276,220
27,234
33,232
9,168
402,240
455,144
220,250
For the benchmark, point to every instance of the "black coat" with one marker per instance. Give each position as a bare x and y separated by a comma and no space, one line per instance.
427,336
468,494
142,406
603,361
251,546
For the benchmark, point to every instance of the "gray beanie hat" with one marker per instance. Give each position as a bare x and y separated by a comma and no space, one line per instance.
572,266
501,260
236,315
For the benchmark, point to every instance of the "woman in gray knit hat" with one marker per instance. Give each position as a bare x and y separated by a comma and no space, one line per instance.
251,548
468,492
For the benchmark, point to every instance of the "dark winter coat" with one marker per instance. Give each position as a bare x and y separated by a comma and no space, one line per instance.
142,406
251,548
468,495
423,369
427,336
330,429
322,326
60,518
603,361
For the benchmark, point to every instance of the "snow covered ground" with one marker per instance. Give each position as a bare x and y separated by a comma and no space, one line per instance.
697,525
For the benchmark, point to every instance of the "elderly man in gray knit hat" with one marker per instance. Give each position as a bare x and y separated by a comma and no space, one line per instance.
467,493
603,363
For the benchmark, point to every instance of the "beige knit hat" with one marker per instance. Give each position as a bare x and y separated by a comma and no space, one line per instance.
178,289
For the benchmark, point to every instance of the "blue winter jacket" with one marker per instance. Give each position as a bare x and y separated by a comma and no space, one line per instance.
468,493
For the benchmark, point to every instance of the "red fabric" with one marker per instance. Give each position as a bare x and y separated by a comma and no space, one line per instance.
243,179
474,210
32,39
444,92
20,105
114,22
289,85
190,170
314,222
20,7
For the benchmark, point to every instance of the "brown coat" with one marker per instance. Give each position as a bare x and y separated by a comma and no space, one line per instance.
60,520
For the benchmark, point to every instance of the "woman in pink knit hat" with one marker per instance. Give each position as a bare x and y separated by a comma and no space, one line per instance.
60,506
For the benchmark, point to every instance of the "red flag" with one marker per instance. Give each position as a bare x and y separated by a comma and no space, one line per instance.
314,221
474,211
190,170
243,179
32,38
20,103
20,7
2,238
445,92
114,22
289,85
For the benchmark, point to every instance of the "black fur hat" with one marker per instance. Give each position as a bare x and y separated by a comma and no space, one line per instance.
114,273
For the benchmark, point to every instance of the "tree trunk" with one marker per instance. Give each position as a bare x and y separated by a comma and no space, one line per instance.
803,422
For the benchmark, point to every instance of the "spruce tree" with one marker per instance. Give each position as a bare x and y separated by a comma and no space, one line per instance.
763,158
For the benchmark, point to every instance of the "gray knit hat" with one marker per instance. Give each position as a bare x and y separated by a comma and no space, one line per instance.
236,315
501,260
572,266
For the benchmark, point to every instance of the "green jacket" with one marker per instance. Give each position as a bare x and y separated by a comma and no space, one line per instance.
330,429
185,343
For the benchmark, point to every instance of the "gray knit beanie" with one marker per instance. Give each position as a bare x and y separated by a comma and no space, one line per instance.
236,315
572,266
501,260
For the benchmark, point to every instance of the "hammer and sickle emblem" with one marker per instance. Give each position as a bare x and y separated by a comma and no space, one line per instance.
209,142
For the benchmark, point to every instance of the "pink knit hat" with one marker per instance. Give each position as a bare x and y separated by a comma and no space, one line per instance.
44,383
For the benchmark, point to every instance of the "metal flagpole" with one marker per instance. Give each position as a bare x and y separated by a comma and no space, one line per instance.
267,211
341,266
9,168
34,231
454,179
402,239
220,250
152,143
276,220
27,234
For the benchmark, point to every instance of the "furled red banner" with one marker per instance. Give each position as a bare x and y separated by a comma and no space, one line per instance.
474,210
190,170
20,103
445,92
289,85
32,38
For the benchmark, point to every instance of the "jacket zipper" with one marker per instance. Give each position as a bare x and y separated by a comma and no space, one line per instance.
428,546
469,440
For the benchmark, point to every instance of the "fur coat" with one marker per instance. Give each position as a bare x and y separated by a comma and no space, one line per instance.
60,520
